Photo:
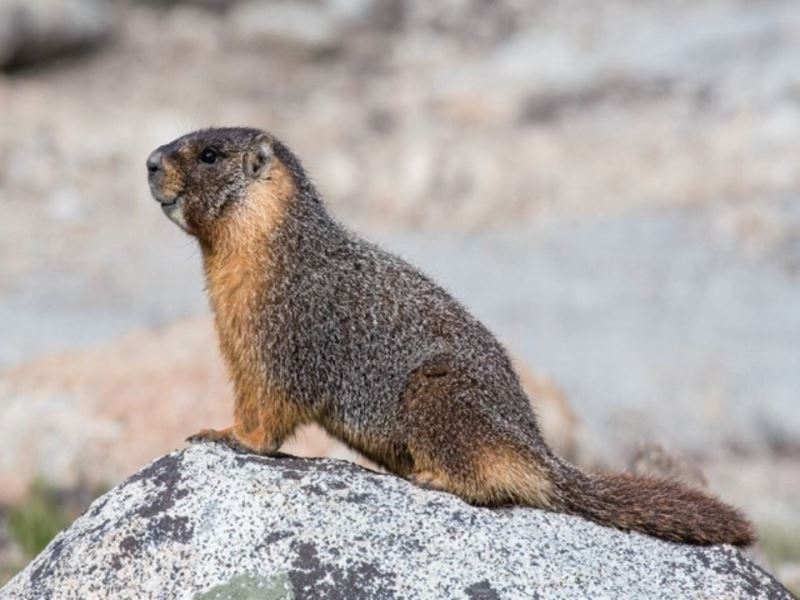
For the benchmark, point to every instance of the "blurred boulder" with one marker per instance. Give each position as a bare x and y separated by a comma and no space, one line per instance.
561,427
214,5
207,522
309,26
93,416
652,459
33,32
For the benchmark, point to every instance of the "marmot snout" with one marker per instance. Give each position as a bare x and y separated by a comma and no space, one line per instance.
201,176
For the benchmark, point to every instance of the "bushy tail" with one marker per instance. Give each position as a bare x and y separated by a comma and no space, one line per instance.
660,508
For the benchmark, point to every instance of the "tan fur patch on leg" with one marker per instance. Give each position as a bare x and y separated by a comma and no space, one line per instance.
429,480
507,475
264,421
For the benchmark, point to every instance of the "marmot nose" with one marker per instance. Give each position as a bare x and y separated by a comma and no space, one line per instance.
154,162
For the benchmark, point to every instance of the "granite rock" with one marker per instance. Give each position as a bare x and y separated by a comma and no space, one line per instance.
208,522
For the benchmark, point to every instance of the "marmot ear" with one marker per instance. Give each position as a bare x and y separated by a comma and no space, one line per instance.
257,159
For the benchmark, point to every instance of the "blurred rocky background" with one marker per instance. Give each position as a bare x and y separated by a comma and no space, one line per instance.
612,187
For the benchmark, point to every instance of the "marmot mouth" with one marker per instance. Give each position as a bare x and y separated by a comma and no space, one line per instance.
171,206
162,198
174,212
166,203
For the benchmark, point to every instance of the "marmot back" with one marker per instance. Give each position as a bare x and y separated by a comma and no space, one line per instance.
316,324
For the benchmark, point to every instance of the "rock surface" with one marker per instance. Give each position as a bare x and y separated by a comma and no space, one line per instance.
207,522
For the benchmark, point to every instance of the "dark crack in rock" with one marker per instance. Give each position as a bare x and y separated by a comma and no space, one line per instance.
482,590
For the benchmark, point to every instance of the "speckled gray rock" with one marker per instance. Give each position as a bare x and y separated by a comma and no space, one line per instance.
207,522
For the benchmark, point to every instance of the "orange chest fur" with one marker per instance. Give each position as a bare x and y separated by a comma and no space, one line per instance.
234,287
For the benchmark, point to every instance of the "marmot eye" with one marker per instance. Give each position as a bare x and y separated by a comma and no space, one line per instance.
209,156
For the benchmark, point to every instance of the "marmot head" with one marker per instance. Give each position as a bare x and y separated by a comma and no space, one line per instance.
208,178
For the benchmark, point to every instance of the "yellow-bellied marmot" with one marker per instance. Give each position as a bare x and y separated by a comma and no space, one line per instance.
319,325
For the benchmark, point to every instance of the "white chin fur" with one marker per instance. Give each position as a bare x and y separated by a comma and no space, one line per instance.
174,213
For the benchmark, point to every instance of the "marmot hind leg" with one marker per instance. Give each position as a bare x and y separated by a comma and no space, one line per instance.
457,449
491,475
